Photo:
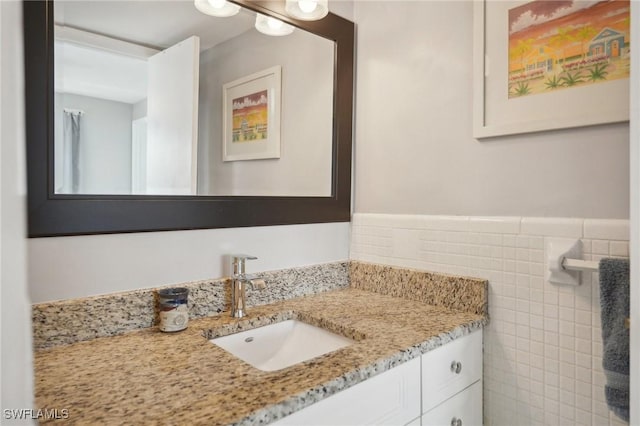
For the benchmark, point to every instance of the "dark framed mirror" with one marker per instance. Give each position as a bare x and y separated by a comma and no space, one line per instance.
52,213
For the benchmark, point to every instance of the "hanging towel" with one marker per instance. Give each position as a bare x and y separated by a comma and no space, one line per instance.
614,303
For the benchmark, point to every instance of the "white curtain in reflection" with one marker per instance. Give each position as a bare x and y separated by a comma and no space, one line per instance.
71,152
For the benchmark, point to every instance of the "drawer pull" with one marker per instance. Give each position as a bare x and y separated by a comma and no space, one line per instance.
456,422
456,367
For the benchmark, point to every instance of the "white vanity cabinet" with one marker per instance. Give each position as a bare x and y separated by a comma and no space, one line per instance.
390,398
442,387
452,383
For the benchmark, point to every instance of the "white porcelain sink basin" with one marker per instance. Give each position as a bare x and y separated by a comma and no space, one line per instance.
280,345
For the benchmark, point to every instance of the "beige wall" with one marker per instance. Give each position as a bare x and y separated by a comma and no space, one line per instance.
415,152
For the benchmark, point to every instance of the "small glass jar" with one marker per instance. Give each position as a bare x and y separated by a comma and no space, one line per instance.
173,310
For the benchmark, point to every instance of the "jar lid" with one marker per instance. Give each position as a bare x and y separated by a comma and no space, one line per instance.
173,293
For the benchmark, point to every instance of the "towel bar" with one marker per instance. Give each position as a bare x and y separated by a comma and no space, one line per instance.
580,265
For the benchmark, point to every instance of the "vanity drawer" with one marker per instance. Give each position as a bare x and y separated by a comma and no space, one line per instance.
451,368
390,398
464,409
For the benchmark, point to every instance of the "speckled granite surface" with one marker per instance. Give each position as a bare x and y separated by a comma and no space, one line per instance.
76,320
150,377
453,292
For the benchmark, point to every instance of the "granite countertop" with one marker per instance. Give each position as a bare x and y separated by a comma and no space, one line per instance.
150,377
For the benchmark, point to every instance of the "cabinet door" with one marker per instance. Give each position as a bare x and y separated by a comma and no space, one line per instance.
464,409
391,398
450,368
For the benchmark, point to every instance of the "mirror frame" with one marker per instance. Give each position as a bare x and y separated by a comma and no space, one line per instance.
51,214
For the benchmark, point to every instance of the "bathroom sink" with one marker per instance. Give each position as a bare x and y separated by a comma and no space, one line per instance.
280,345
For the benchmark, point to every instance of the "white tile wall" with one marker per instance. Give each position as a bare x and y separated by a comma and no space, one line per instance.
543,346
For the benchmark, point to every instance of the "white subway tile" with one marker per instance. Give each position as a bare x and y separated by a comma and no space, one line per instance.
583,332
583,317
619,248
551,379
552,227
509,266
536,243
536,256
522,254
540,334
552,393
566,300
537,295
536,321
496,225
567,356
584,360
551,311
536,308
551,324
405,243
536,269
606,229
537,335
522,267
568,371
537,400
567,384
551,297
583,374
522,241
601,420
583,416
373,219
600,247
447,223
582,402
509,240
567,328
537,283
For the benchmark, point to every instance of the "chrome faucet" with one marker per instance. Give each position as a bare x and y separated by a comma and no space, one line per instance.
239,283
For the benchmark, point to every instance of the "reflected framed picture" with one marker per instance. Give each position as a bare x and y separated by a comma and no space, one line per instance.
251,116
544,64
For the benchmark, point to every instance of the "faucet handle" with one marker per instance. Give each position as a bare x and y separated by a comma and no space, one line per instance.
242,257
238,261
258,284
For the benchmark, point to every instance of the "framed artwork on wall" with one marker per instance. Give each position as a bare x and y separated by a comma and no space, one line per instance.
251,116
542,65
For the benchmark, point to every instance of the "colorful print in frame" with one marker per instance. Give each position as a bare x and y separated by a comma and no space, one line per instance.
556,45
251,116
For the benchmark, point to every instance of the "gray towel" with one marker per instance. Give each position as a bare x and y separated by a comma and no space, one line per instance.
614,303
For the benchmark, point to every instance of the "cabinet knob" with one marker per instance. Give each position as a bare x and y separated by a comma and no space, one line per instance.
456,422
456,367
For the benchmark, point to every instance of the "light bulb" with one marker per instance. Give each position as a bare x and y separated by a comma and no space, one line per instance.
307,10
219,8
274,24
307,6
217,4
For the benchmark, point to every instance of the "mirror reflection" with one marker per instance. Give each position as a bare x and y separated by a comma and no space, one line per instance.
159,98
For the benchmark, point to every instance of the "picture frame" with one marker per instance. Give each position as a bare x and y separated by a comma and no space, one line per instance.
496,114
251,116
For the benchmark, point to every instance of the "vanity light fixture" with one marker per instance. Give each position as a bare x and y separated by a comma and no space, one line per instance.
272,26
219,8
307,10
